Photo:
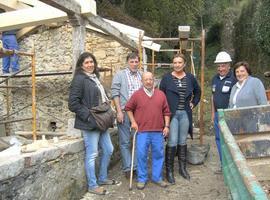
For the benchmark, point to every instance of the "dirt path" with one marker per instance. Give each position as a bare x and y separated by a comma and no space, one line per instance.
204,183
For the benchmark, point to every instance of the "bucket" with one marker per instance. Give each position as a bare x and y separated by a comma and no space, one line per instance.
197,153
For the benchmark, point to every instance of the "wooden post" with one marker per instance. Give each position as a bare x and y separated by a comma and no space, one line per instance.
192,70
34,112
153,61
78,38
140,50
183,32
8,105
202,86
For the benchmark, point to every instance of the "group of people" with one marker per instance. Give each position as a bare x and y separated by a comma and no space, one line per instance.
233,89
153,114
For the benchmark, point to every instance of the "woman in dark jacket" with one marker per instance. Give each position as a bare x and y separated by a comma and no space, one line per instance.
85,93
183,94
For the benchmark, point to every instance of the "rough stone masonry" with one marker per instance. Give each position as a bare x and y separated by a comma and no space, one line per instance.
55,172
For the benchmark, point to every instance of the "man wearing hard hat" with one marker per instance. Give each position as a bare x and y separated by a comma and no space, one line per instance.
222,84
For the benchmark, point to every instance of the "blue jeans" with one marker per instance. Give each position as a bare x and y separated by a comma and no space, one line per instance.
178,129
217,134
10,42
92,141
125,144
144,140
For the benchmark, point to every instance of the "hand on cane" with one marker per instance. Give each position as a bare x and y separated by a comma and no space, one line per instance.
134,126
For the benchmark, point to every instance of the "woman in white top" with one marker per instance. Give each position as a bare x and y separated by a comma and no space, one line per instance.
248,91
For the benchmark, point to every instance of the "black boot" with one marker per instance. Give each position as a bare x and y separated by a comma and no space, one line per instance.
169,163
182,160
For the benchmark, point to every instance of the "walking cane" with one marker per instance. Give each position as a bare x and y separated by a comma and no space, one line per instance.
132,160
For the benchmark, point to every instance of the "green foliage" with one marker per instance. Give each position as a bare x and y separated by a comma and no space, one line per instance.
244,41
213,16
165,16
262,19
213,35
213,11
252,39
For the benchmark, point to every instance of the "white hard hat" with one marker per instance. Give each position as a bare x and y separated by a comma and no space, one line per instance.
223,57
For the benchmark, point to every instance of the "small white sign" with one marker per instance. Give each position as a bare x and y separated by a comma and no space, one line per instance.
184,28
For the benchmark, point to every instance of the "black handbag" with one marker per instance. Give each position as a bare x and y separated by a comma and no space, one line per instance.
103,115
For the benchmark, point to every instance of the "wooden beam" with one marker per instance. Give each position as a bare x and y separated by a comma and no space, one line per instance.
38,15
88,7
78,38
16,5
24,31
99,23
10,5
32,3
69,6
30,17
42,15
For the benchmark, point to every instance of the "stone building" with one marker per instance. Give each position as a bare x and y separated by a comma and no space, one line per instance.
53,50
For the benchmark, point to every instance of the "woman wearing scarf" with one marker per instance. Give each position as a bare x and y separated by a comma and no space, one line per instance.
86,92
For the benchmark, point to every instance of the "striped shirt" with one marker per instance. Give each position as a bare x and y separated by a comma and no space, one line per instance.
181,85
134,81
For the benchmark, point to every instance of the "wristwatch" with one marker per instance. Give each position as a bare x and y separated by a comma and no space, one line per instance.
167,126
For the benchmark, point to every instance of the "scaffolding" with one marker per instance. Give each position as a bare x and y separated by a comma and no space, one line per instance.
186,45
5,119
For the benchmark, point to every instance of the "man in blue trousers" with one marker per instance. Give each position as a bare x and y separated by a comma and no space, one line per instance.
149,114
222,84
10,42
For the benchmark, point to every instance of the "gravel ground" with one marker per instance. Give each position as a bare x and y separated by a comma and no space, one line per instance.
204,183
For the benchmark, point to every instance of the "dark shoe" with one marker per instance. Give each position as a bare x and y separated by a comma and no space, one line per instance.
162,184
169,163
182,160
140,186
98,191
127,174
109,182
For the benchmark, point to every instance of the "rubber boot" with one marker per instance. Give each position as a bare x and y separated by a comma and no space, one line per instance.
169,163
182,160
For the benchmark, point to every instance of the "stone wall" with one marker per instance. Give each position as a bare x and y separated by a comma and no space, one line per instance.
53,50
56,172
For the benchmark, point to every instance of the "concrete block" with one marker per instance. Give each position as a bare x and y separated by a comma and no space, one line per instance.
53,151
72,146
71,130
11,167
41,156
